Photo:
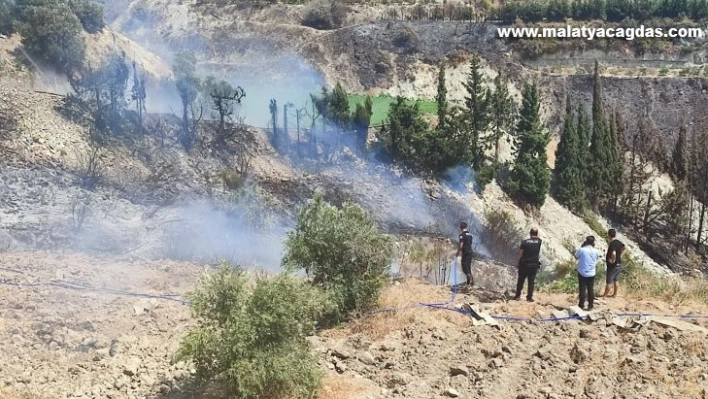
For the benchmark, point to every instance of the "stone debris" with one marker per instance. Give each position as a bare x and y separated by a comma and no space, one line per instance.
619,322
459,370
577,311
479,318
678,324
145,306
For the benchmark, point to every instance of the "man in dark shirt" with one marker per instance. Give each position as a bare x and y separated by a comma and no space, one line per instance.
465,249
528,264
614,262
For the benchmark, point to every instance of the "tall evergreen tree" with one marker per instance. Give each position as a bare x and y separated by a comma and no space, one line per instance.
680,156
477,109
405,133
675,213
502,114
188,85
698,177
361,119
584,134
599,172
569,186
530,179
273,109
615,160
138,95
441,98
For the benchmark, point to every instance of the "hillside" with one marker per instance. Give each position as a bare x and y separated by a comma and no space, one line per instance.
111,212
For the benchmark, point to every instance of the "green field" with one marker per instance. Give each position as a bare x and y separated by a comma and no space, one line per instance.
382,103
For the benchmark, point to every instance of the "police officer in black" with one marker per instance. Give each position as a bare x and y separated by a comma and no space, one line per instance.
528,264
465,249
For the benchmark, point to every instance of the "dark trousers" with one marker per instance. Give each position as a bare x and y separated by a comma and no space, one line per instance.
467,268
587,290
526,273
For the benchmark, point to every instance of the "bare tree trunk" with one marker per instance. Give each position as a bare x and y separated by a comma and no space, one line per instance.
647,213
701,220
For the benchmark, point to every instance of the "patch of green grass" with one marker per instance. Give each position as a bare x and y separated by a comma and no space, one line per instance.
634,278
381,104
565,279
591,219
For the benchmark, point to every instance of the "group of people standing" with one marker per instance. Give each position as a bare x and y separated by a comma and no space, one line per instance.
528,264
587,257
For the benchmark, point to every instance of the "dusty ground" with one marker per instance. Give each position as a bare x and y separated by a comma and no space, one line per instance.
427,353
58,342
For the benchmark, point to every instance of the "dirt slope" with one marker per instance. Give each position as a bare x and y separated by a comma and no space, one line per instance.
429,353
78,343
58,342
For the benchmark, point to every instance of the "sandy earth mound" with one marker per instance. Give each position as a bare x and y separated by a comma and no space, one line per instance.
427,353
61,342
73,327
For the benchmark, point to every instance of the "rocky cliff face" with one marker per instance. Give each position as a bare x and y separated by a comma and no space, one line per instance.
396,57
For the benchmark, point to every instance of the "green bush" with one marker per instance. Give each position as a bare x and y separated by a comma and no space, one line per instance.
7,18
591,220
253,342
232,180
343,252
565,279
89,13
502,235
251,203
51,33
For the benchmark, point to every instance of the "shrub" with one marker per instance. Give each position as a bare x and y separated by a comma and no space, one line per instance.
591,220
253,342
251,205
325,14
232,180
89,13
52,34
343,251
502,235
7,19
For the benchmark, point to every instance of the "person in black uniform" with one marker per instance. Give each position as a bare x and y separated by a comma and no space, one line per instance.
528,263
614,262
464,249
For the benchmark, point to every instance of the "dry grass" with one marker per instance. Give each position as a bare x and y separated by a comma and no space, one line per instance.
341,387
407,294
5,394
694,346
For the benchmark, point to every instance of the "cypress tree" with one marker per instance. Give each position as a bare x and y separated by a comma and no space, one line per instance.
477,107
679,157
569,186
616,161
361,119
502,115
583,130
441,98
530,179
599,159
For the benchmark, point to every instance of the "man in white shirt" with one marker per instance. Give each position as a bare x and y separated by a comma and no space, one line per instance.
587,257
